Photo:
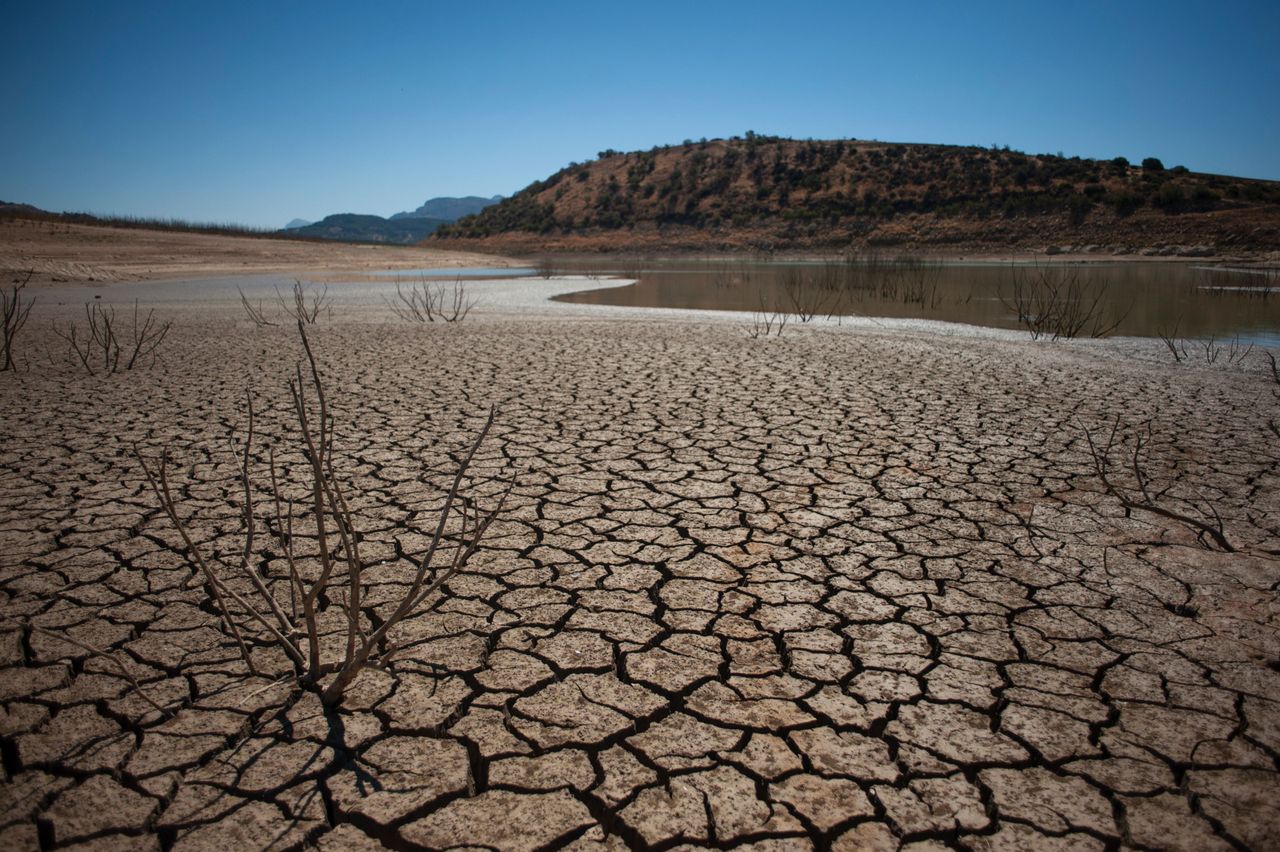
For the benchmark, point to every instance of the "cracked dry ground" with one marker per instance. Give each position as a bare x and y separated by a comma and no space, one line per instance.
840,589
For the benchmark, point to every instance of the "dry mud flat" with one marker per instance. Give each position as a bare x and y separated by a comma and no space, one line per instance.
846,588
53,252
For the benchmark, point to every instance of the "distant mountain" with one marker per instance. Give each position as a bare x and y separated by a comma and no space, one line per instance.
769,193
408,227
449,209
355,227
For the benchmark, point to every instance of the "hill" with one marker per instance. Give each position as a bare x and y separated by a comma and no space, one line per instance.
297,223
768,193
16,211
356,227
449,209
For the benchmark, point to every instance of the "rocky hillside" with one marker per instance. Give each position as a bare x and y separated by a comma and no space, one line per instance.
448,208
400,228
767,193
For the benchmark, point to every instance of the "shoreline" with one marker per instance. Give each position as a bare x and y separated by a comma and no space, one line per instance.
60,254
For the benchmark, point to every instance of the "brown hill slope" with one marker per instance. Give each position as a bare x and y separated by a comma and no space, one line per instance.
766,193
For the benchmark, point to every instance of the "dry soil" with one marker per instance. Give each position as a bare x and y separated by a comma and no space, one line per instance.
853,587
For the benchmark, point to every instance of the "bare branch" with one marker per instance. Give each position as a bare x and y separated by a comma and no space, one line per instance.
92,651
303,305
256,314
1145,501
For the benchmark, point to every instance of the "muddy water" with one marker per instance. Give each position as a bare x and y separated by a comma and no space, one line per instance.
1146,299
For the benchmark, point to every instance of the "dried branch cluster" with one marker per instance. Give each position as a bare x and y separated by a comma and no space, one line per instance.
296,613
16,309
303,305
809,292
425,302
1055,301
767,319
256,313
105,345
905,278
1182,348
832,288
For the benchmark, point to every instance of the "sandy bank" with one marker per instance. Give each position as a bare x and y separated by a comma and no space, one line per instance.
59,253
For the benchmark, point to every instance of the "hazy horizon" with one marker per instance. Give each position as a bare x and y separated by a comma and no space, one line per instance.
260,115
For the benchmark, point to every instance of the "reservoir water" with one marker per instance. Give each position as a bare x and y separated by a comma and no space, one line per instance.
1147,299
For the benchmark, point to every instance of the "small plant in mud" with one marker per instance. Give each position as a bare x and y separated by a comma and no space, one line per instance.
1275,377
105,345
296,613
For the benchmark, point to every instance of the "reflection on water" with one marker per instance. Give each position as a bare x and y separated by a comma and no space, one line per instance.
1141,299
456,272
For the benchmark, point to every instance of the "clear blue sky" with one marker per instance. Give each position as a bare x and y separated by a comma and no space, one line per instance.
260,112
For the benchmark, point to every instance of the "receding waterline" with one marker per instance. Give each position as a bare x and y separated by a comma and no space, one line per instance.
1146,299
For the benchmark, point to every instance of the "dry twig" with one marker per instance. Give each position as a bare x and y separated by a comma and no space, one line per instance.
1146,497
27,625
767,319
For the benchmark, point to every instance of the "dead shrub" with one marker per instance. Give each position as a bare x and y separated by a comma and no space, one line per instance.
16,309
809,292
289,613
1056,301
105,345
423,302
1181,348
766,320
